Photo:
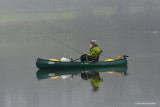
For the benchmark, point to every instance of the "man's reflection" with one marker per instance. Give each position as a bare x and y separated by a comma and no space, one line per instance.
94,79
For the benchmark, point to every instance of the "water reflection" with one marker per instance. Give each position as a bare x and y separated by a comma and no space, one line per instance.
90,75
94,78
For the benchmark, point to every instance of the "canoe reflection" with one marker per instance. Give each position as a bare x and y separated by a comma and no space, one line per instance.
92,75
70,73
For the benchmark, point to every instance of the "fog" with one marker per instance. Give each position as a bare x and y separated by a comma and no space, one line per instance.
79,15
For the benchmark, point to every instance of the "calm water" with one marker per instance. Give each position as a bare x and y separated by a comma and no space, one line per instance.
20,87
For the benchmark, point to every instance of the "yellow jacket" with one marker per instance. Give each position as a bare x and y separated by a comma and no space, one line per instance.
94,52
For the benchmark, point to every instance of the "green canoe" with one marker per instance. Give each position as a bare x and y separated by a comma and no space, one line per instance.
47,73
47,64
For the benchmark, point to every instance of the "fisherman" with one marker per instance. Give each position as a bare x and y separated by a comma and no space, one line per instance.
93,54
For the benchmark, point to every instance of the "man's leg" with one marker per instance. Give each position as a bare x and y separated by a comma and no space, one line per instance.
84,58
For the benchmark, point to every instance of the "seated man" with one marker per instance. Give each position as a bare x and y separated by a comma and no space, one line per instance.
93,54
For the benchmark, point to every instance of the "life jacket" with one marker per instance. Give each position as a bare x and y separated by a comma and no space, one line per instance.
94,52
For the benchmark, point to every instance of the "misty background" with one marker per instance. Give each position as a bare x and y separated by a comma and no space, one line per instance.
48,16
23,21
121,27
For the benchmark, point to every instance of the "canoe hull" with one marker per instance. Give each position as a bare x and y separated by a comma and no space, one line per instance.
46,64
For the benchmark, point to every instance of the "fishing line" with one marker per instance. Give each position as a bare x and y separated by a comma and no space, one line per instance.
106,56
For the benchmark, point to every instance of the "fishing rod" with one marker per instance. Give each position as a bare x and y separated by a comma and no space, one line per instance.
71,47
63,44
